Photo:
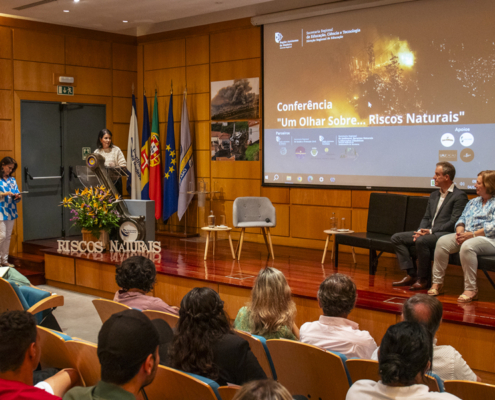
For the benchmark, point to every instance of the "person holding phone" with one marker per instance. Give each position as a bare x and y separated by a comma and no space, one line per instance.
9,197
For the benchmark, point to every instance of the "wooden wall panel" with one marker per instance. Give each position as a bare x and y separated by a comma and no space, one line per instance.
235,298
35,76
161,79
236,70
93,81
375,322
202,163
168,54
60,269
88,53
123,82
5,42
235,44
198,79
335,198
38,46
359,220
198,106
6,135
6,106
283,220
121,135
172,289
475,350
197,50
236,169
361,198
122,110
124,57
276,195
5,74
234,188
309,222
201,134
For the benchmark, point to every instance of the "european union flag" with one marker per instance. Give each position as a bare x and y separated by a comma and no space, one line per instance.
170,186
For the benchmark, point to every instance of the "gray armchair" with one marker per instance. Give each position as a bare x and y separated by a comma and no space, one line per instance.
254,212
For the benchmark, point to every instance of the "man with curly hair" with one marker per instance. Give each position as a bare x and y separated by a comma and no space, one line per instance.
333,331
136,277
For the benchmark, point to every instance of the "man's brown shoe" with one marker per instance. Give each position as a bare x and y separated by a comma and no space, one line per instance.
407,281
421,284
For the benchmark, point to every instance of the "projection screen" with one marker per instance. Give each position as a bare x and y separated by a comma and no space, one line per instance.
374,98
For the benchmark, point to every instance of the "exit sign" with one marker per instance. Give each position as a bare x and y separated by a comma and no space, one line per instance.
65,90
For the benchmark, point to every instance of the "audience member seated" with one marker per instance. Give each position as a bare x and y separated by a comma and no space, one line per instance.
404,357
20,354
136,276
204,343
333,331
266,389
271,311
475,235
128,345
448,364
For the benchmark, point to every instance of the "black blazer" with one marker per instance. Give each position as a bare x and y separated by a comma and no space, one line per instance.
235,360
450,211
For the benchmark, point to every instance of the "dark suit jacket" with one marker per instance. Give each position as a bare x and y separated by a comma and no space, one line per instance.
449,212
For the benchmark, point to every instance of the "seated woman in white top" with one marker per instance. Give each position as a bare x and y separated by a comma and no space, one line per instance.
112,154
405,357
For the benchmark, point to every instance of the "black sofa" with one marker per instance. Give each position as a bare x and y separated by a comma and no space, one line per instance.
391,213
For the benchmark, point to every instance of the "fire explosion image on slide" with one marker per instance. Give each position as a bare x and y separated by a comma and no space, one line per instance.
396,88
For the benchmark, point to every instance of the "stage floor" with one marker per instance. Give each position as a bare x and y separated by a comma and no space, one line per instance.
304,272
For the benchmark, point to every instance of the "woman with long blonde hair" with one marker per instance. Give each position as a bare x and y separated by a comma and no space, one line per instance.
271,311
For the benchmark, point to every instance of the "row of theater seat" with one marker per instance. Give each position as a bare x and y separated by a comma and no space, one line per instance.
302,368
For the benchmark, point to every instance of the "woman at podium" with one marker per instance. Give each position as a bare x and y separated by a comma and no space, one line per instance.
9,197
114,158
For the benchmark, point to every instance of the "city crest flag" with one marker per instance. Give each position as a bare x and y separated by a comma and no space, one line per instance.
133,161
186,172
155,163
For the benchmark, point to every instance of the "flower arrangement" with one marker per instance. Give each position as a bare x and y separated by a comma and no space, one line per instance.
93,209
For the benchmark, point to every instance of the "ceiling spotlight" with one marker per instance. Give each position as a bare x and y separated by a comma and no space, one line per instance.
125,22
66,10
76,1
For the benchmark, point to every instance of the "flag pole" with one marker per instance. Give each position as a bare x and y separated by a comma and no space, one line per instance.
187,209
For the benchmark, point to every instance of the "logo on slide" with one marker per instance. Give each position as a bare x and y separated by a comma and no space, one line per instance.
300,152
466,139
447,155
467,155
447,139
278,37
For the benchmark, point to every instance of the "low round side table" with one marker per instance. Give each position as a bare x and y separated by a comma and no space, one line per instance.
329,233
211,233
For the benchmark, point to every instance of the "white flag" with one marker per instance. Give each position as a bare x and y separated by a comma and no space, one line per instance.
133,157
187,183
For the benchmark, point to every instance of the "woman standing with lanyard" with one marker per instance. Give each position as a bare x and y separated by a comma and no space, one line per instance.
9,197
112,154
